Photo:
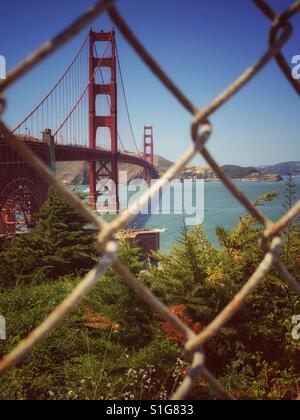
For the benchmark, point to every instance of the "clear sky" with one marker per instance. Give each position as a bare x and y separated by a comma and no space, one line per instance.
203,45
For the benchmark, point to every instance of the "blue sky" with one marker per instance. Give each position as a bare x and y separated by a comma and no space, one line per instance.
203,45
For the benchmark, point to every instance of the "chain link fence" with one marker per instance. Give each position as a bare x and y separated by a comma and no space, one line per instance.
201,129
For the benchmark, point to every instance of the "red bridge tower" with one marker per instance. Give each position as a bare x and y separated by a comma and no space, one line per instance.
101,171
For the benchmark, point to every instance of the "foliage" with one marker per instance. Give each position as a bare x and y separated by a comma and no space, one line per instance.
60,245
114,347
119,303
76,361
172,334
292,230
257,342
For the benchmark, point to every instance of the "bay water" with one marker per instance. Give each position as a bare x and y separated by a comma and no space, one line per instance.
220,208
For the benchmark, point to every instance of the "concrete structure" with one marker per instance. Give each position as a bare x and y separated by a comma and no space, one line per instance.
147,240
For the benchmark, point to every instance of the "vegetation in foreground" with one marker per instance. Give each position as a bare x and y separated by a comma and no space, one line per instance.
113,347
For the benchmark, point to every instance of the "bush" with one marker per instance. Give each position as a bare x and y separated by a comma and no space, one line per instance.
256,346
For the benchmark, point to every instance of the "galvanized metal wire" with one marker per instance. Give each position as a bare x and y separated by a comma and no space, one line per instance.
201,129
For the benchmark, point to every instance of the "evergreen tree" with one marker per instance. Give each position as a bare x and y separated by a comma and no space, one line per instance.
59,245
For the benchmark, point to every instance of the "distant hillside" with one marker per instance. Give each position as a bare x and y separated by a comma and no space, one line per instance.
283,168
232,171
161,163
235,172
77,172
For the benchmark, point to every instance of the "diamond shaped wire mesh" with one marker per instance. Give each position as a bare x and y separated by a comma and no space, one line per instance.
201,128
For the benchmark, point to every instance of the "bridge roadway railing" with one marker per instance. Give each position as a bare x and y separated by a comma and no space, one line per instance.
72,153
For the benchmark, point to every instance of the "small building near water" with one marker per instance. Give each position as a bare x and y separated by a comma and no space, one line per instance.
146,240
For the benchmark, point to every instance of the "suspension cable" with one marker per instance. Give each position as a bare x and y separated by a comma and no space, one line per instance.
126,102
54,87
84,92
109,104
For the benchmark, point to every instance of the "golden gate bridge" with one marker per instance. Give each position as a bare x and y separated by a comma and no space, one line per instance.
76,121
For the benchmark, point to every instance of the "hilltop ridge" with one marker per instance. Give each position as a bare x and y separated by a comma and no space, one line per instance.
77,172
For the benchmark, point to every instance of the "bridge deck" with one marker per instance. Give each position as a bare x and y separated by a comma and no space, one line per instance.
73,153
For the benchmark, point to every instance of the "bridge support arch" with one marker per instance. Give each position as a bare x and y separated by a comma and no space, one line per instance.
20,199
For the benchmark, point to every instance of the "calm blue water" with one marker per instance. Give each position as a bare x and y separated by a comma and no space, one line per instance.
220,208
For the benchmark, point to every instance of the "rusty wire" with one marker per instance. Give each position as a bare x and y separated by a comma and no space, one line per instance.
201,130
280,22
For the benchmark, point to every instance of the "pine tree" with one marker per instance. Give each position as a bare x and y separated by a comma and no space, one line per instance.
60,245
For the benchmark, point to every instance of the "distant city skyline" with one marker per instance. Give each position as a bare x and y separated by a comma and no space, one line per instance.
203,47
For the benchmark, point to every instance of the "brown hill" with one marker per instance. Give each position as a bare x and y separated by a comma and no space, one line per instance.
76,173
